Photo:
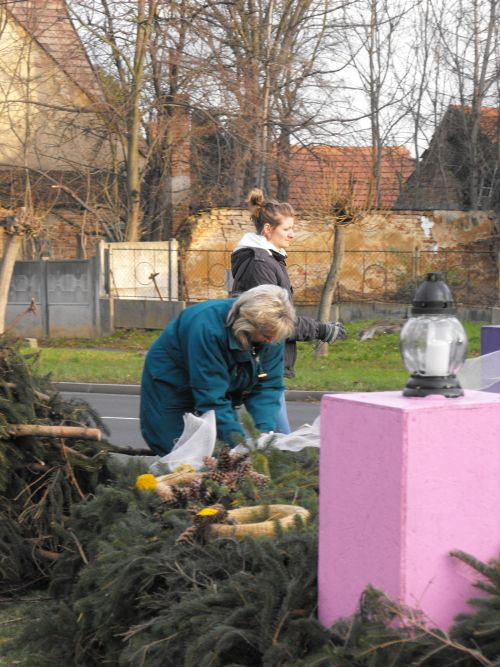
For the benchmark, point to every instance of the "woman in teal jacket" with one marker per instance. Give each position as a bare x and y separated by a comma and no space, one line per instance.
217,355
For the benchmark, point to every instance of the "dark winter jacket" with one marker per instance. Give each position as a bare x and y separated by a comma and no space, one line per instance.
197,365
252,266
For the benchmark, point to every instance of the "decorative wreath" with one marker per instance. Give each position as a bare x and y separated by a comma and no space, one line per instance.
246,520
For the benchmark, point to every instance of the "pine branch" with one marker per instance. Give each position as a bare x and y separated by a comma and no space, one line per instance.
40,395
129,451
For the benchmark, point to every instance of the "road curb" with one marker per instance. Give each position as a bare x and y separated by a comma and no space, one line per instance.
97,388
135,390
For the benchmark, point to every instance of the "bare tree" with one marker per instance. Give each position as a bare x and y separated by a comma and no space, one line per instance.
150,56
455,55
118,36
417,105
468,52
168,130
146,12
266,57
374,44
307,83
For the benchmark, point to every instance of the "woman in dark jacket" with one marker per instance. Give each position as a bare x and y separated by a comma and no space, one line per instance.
260,258
217,355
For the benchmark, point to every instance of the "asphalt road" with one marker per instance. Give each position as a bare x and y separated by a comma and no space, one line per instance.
120,413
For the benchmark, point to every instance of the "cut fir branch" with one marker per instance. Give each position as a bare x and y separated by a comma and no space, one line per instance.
52,459
43,430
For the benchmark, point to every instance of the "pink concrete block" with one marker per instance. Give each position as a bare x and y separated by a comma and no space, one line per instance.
404,481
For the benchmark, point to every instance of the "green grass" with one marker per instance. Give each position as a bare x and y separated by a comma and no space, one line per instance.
75,365
122,339
351,365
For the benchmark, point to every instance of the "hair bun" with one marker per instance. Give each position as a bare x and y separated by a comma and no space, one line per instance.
255,198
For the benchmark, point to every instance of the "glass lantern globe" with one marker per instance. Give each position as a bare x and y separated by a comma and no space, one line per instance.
433,343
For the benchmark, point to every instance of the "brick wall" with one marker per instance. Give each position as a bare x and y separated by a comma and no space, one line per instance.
70,235
61,237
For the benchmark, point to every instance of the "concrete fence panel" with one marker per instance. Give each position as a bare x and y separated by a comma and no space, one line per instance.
144,314
71,306
143,270
26,314
62,294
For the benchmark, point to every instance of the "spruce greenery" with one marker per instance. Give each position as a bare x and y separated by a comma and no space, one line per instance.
123,592
142,600
483,627
223,598
40,477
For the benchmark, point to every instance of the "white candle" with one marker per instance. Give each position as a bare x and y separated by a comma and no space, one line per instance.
437,357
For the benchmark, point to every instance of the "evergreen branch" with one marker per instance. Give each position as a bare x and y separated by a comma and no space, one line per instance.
482,568
69,470
447,642
38,394
410,622
129,451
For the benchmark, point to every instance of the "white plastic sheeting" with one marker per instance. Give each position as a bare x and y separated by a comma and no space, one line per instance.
199,435
481,373
196,441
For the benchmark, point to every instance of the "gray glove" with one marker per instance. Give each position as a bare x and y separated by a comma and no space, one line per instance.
332,331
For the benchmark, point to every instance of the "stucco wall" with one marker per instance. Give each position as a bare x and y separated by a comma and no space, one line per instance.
385,252
220,229
36,127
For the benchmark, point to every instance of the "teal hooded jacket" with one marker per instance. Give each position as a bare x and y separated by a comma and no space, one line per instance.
197,365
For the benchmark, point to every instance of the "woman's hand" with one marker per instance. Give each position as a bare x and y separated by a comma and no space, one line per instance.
332,331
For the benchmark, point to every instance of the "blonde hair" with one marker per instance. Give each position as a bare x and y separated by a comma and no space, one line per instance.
269,211
265,310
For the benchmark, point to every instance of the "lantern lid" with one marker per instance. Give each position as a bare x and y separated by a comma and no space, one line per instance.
433,297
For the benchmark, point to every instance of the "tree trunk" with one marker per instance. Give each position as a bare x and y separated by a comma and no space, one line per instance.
283,164
133,180
11,250
134,125
328,291
373,199
264,138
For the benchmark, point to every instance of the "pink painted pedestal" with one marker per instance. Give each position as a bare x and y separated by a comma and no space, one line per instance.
404,481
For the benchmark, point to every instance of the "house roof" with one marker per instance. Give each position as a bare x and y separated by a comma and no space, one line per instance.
489,120
48,21
441,180
317,172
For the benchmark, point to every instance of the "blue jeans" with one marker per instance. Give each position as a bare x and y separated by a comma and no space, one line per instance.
282,424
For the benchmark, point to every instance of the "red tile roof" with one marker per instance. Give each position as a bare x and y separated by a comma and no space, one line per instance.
317,172
489,120
49,23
